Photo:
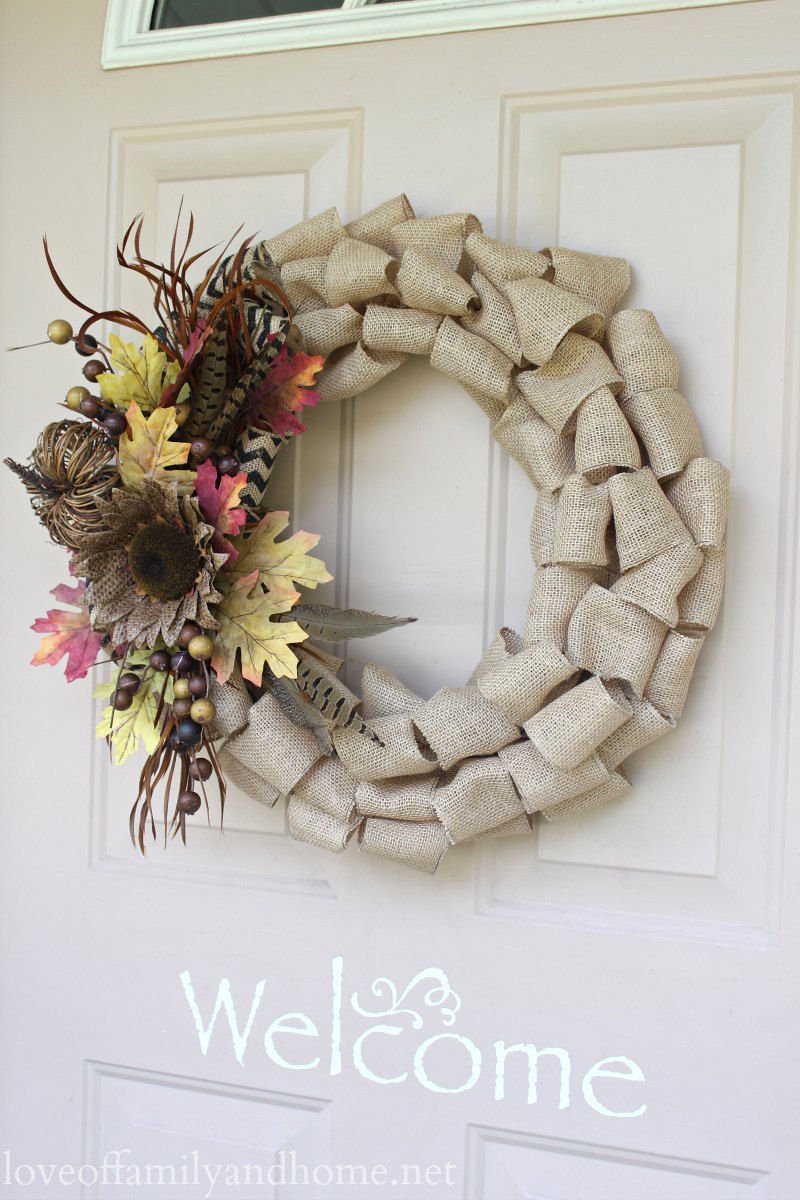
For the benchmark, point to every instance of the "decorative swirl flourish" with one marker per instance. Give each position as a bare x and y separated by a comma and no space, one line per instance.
435,997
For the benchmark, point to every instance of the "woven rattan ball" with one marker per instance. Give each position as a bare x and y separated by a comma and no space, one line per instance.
73,465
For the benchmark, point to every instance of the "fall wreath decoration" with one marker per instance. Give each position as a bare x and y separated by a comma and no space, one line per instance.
159,489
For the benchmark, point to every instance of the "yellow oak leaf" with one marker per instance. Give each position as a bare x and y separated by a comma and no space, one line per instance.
126,728
139,375
246,626
278,563
146,452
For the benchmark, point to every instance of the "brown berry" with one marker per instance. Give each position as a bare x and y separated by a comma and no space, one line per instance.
203,711
182,707
201,647
197,686
227,464
161,660
189,803
181,689
123,698
115,423
90,407
201,769
59,332
190,630
94,369
74,396
201,449
182,412
181,662
129,682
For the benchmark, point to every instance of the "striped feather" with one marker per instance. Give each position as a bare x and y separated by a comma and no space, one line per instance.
211,386
337,704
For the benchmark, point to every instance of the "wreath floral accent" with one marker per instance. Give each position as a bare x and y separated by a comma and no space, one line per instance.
160,494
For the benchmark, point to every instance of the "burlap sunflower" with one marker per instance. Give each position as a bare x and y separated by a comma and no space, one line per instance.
151,568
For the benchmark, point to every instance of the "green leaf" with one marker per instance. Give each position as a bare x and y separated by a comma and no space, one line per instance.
139,721
328,624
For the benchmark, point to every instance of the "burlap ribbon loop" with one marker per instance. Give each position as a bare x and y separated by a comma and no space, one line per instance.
555,593
700,601
502,263
474,362
329,786
357,272
700,497
420,846
308,239
668,685
399,330
424,281
663,422
582,519
546,314
407,798
644,520
543,529
656,584
627,534
307,823
644,726
327,329
355,371
604,441
641,353
545,457
460,723
476,796
400,753
613,638
576,369
570,728
304,284
494,319
520,684
442,236
541,784
616,785
376,225
600,281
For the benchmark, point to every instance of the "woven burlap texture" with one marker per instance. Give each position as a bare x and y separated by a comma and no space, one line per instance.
624,486
419,845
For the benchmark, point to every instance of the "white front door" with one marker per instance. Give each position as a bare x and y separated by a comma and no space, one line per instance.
603,1010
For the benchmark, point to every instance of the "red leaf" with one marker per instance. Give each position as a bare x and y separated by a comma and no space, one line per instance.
70,633
197,339
218,504
287,389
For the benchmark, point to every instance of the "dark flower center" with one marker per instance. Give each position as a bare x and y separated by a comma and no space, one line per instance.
163,560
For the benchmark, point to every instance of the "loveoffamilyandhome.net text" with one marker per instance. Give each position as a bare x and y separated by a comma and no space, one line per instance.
118,1168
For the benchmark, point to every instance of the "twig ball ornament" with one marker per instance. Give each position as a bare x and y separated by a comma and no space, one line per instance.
72,467
225,669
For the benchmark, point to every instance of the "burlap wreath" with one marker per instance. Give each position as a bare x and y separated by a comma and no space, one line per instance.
627,537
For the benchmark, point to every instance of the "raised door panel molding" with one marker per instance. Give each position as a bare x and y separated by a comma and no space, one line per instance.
504,1165
129,41
673,179
265,174
169,1133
